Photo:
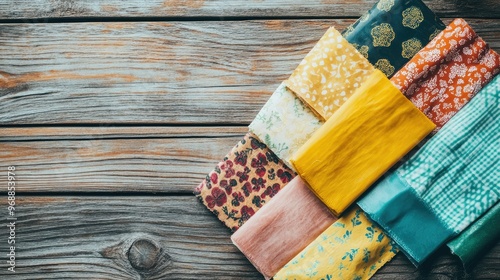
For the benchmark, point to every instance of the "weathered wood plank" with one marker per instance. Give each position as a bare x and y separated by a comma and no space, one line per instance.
154,72
192,72
109,131
155,238
26,9
102,164
90,237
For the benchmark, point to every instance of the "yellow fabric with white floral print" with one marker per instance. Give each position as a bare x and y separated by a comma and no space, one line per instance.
351,248
329,74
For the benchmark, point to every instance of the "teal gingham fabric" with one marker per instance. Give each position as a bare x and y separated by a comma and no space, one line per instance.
457,173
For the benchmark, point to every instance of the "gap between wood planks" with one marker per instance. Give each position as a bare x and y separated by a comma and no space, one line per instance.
172,18
189,19
91,132
103,194
219,9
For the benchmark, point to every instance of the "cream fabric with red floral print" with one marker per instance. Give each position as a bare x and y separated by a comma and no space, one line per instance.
248,176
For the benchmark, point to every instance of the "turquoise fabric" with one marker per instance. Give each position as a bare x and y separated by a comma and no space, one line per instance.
458,171
413,223
455,175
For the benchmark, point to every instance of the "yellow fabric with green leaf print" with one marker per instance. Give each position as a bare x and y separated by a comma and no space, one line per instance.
351,248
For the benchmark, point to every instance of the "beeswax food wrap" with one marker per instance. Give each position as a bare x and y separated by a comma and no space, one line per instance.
448,72
360,142
324,82
474,242
284,123
248,176
277,135
282,228
431,80
392,32
452,180
329,74
351,248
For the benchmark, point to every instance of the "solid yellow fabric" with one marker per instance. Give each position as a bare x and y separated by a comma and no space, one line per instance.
352,248
360,142
329,74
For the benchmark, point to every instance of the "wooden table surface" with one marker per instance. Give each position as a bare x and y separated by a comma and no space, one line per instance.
112,111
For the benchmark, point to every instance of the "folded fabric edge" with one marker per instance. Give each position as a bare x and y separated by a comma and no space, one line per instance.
320,197
252,127
473,40
477,230
284,160
398,209
252,261
430,128
383,261
384,257
281,85
294,91
202,202
350,48
427,127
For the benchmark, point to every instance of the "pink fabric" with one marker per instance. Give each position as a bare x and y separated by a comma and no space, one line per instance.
282,228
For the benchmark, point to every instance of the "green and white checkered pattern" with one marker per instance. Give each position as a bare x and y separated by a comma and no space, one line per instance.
457,173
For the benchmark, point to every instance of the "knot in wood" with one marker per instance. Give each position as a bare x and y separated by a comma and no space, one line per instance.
143,254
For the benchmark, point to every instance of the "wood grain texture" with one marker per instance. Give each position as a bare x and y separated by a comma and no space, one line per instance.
90,238
109,131
111,124
183,72
96,163
154,72
34,10
156,238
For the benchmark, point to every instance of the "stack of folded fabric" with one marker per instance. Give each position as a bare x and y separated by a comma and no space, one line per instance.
384,133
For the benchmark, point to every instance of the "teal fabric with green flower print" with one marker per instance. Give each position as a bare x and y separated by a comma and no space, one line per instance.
248,176
392,32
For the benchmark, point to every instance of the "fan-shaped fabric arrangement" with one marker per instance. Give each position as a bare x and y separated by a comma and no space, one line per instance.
384,133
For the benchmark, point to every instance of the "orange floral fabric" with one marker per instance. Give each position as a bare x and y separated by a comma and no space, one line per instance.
448,72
